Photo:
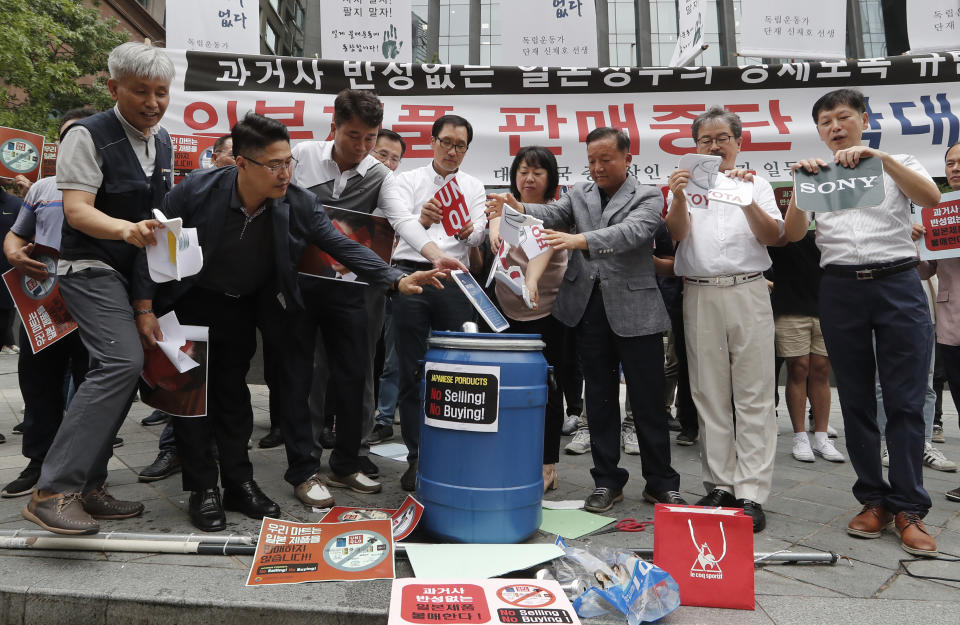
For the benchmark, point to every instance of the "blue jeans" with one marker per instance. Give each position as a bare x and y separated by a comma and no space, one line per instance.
390,378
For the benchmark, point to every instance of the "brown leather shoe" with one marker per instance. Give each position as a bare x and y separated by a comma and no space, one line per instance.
913,535
61,513
870,522
101,505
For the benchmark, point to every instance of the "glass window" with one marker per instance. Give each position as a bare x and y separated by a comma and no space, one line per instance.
270,38
276,6
298,16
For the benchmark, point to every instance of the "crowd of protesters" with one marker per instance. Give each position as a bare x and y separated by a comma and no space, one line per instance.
624,269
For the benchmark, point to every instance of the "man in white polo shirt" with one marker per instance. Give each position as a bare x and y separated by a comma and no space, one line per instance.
728,321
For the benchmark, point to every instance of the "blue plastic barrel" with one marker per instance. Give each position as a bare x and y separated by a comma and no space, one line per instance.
480,486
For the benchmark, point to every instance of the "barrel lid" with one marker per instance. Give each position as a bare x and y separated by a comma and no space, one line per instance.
487,341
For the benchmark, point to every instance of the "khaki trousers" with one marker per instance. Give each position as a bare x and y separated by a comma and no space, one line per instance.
730,349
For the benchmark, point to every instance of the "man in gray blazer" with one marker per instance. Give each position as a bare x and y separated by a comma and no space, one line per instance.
609,294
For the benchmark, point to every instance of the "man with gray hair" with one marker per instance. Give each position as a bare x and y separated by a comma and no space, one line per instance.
113,168
728,320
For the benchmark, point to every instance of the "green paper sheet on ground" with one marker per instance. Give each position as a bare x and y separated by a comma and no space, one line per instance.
479,561
572,523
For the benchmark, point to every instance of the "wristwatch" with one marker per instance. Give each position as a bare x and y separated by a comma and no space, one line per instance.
396,283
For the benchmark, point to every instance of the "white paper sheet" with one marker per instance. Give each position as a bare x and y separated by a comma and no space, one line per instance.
177,253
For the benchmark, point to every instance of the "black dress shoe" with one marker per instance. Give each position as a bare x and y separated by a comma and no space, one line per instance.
368,468
328,437
718,498
408,481
155,418
250,500
166,464
667,496
380,433
602,499
755,511
673,425
273,439
206,510
18,428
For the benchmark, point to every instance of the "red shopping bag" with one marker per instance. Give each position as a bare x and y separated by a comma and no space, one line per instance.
709,552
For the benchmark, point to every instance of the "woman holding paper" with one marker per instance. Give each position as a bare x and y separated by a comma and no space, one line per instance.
527,287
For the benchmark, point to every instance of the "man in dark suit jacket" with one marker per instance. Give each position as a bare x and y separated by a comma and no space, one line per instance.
610,295
253,226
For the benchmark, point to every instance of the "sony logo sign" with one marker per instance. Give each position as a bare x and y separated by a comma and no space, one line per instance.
839,185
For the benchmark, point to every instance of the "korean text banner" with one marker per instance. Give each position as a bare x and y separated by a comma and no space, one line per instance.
913,106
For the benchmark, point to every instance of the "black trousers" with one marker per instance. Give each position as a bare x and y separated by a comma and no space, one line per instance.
894,309
686,409
602,352
41,378
413,318
950,357
229,421
335,314
551,331
570,374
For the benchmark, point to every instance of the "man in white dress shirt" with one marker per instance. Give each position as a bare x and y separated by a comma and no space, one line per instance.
728,321
869,290
414,316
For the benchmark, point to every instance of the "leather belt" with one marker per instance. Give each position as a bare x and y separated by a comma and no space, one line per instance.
871,272
732,280
411,266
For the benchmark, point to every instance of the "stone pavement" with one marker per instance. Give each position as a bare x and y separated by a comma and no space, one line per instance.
809,509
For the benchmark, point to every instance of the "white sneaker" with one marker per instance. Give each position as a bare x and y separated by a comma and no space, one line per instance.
935,459
580,443
569,424
831,431
828,452
885,457
801,448
628,440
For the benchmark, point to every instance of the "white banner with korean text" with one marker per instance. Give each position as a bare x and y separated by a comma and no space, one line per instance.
913,105
548,32
933,24
224,26
809,30
360,30
690,33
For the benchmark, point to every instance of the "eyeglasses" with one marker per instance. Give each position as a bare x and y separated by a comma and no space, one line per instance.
721,140
276,168
448,145
383,154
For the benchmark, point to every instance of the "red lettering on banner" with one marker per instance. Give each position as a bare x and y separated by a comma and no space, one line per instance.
456,215
529,115
779,121
678,131
415,124
625,120
293,119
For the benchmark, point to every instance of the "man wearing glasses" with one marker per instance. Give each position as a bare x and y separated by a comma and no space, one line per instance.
390,149
728,320
254,226
416,314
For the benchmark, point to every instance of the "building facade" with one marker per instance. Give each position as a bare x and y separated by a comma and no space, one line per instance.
143,19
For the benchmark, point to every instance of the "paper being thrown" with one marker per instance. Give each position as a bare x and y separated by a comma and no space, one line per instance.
173,339
177,253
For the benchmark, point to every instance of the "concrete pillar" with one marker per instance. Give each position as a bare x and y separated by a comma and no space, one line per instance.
603,33
642,26
433,31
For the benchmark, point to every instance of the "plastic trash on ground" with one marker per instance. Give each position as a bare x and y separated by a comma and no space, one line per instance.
600,580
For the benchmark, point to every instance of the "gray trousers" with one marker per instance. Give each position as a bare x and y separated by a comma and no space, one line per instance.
99,303
375,301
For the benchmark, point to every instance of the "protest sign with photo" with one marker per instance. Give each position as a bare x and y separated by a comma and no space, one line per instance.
41,307
20,153
942,226
292,553
835,187
370,230
190,154
404,519
177,386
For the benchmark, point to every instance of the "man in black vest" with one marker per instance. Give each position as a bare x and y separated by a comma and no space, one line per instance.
114,167
253,226
343,174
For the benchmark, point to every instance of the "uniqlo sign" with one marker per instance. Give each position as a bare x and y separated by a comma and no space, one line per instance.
709,552
456,215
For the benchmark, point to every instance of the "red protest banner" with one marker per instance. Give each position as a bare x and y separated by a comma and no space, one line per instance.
42,310
20,153
456,215
190,153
